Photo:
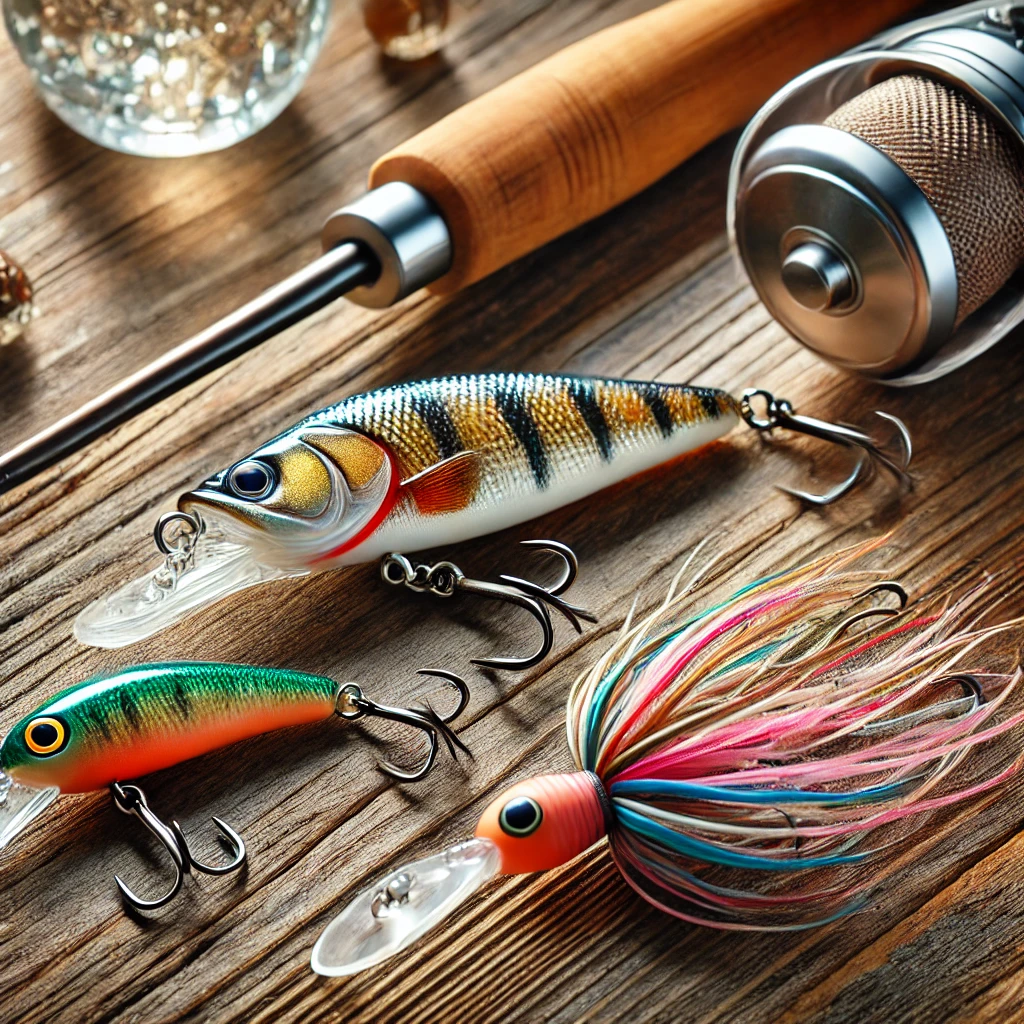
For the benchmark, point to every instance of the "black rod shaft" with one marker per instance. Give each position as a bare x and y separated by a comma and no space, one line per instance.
327,278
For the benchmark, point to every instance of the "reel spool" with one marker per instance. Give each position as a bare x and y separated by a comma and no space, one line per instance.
877,201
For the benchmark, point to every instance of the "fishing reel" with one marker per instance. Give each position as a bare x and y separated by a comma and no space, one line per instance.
877,201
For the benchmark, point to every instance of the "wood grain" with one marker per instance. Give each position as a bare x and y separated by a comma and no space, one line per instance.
130,257
604,118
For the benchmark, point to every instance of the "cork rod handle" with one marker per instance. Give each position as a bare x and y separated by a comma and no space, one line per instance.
601,120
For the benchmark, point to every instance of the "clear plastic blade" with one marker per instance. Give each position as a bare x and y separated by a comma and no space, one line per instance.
397,910
162,598
20,806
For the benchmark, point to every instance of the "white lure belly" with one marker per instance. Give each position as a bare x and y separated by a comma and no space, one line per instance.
411,533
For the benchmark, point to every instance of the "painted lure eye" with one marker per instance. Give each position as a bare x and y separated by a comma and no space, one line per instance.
251,479
520,817
46,736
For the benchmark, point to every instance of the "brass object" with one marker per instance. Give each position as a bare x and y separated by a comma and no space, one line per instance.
407,29
16,309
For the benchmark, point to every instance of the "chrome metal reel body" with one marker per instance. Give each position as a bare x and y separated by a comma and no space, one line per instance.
840,242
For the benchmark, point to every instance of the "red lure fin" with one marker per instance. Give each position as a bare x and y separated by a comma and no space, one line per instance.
447,486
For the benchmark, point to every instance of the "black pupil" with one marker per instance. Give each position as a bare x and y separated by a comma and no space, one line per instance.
250,479
44,734
520,814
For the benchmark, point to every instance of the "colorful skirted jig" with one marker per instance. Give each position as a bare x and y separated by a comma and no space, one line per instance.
94,735
750,766
427,464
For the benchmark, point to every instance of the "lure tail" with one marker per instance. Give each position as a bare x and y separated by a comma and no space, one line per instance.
767,737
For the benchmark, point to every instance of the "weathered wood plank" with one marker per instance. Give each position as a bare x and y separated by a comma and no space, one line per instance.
130,258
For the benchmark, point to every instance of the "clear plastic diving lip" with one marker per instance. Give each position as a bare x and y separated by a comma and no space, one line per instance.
396,910
20,806
164,597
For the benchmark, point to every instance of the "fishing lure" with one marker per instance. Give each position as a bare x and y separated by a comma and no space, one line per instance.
94,735
749,765
424,465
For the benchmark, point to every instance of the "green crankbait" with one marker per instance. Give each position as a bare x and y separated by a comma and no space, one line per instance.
142,719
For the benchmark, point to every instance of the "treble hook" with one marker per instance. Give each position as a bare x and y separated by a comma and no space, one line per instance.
780,413
351,704
445,579
131,800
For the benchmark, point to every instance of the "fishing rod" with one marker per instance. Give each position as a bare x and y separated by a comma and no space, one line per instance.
552,148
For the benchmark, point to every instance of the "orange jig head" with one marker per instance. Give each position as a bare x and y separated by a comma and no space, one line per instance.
545,821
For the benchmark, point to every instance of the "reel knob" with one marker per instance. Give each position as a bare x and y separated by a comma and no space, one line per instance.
817,277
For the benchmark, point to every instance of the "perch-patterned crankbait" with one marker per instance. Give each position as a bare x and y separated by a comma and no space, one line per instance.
763,737
94,735
417,466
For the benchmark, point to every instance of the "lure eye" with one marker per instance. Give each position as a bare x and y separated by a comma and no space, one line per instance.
251,479
46,736
520,817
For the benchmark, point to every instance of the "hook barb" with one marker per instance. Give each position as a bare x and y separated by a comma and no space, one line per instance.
970,684
352,704
973,692
512,594
834,493
460,687
570,567
130,799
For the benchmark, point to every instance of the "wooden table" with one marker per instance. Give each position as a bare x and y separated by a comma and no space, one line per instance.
129,257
